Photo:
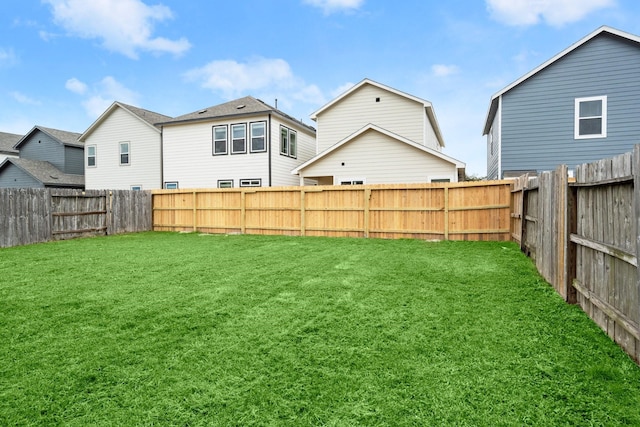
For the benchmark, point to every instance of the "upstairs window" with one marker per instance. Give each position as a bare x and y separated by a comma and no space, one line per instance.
91,155
219,140
124,153
590,117
288,142
258,137
238,138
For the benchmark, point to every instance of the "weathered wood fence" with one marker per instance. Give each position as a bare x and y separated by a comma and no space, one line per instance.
40,215
583,237
455,211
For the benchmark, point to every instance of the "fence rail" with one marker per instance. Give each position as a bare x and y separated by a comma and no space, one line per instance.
458,211
40,215
583,238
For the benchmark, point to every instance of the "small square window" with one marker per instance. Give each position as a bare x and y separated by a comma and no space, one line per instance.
136,187
225,183
171,185
590,117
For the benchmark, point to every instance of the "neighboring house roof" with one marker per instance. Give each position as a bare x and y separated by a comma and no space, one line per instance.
149,118
383,131
428,107
8,141
236,108
45,172
493,106
62,136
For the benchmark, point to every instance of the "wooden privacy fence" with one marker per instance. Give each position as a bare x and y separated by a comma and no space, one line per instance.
40,215
455,211
583,236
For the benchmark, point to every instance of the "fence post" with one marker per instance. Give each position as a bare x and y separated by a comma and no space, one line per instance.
303,213
562,223
446,213
635,170
243,211
195,211
367,198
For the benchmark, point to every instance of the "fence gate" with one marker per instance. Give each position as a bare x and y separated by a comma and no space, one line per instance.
78,214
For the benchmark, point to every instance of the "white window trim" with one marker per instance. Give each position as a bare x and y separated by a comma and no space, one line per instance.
264,137
136,188
223,181
251,182
226,140
349,180
576,113
95,156
169,185
286,150
128,153
244,150
438,179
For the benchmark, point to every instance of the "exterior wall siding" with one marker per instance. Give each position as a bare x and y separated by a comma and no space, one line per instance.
393,112
14,177
281,166
145,154
493,149
74,160
538,115
376,158
41,146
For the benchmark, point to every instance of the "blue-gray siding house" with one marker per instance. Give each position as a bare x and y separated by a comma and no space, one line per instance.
47,158
580,106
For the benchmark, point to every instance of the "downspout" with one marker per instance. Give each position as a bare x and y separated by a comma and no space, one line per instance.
500,137
161,157
269,148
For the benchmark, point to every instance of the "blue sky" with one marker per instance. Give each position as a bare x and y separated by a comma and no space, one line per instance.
63,62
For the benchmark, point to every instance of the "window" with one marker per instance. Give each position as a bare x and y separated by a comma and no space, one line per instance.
225,183
91,155
351,181
250,182
288,142
136,187
258,137
124,153
171,185
238,138
219,140
434,180
590,117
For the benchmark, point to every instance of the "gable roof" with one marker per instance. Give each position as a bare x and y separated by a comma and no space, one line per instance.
428,107
238,107
8,141
62,136
148,118
383,131
45,172
493,106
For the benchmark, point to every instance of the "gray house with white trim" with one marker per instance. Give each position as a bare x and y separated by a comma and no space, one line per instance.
580,106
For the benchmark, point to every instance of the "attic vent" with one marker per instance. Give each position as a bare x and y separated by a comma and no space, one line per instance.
377,99
54,177
241,106
202,111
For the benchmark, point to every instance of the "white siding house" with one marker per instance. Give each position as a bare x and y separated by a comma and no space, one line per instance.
374,134
240,143
123,149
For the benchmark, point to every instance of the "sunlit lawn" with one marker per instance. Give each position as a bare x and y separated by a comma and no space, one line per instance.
183,329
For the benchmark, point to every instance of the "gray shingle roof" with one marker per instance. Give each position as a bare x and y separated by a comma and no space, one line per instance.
46,173
238,107
66,138
7,141
146,115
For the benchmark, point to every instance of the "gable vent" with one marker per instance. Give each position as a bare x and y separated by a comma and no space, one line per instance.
202,111
241,106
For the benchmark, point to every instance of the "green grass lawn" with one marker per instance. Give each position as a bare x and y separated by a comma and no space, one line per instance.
181,329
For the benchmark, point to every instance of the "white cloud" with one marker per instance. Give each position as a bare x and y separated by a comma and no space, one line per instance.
265,78
7,57
124,26
76,86
441,70
101,95
341,89
554,12
24,99
330,6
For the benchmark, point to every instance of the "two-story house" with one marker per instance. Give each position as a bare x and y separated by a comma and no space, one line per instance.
580,106
374,134
240,143
123,149
47,158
